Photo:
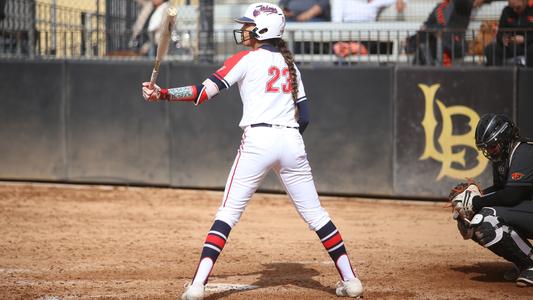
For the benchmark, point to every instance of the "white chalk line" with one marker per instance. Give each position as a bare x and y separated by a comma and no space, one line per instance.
304,262
224,287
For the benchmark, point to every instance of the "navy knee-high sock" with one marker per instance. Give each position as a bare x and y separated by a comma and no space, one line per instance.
332,241
214,243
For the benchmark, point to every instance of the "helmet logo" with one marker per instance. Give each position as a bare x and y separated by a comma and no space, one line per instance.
447,140
264,9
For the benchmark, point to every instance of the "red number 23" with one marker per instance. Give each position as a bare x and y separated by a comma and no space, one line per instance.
272,87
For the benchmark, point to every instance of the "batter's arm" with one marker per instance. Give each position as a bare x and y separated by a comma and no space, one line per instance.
196,93
193,93
233,69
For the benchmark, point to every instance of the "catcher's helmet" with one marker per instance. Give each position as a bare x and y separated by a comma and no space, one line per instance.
494,135
268,19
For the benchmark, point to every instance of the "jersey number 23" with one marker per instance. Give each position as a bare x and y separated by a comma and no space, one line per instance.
273,86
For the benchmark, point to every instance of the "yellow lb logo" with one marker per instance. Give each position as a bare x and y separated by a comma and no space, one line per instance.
447,141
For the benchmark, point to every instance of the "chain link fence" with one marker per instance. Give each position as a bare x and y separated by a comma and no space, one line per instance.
79,28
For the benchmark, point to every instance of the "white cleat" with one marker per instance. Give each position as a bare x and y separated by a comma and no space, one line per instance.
350,288
193,292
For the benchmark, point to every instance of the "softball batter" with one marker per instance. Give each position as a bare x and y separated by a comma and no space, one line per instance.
272,94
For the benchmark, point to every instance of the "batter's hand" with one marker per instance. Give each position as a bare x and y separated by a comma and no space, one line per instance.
151,94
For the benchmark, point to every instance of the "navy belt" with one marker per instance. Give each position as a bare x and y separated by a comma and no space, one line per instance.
271,125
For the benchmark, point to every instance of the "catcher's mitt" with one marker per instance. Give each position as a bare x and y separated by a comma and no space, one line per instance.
461,187
461,202
460,198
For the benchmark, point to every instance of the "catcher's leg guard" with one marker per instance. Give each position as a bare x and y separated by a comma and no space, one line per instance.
493,233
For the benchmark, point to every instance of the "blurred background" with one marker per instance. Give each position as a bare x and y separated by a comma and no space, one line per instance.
346,32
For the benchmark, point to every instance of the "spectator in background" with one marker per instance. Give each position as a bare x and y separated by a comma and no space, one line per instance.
140,40
306,10
18,34
154,25
361,10
449,21
358,11
2,9
511,42
486,34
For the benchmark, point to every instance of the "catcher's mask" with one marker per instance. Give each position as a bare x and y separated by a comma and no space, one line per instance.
494,135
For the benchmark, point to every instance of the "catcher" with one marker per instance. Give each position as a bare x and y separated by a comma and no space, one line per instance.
500,218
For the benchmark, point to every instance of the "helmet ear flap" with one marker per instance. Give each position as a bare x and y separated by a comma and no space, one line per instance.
254,33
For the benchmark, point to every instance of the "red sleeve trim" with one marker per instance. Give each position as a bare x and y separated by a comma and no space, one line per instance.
218,76
230,63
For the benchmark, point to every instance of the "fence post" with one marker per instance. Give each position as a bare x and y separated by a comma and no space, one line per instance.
206,47
290,41
32,29
439,47
96,52
53,11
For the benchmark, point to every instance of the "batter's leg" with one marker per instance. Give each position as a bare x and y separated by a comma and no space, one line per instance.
296,176
301,190
252,163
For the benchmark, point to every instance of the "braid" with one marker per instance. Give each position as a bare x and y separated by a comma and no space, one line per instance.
289,60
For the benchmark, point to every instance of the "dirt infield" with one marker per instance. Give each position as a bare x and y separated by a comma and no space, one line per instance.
87,242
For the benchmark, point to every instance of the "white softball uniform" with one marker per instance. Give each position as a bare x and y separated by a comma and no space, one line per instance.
271,139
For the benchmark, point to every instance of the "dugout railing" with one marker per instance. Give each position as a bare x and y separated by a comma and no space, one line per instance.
337,45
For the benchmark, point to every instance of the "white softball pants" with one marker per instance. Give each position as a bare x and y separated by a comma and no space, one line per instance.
280,149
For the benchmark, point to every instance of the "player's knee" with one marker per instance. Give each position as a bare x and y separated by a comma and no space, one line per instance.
315,218
495,234
487,227
229,216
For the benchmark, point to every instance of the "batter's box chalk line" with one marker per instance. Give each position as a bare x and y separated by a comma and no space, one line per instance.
223,287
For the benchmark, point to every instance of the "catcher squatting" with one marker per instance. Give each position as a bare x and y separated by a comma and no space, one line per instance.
500,217
272,94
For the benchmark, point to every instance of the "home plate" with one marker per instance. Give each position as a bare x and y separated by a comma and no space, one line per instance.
223,287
